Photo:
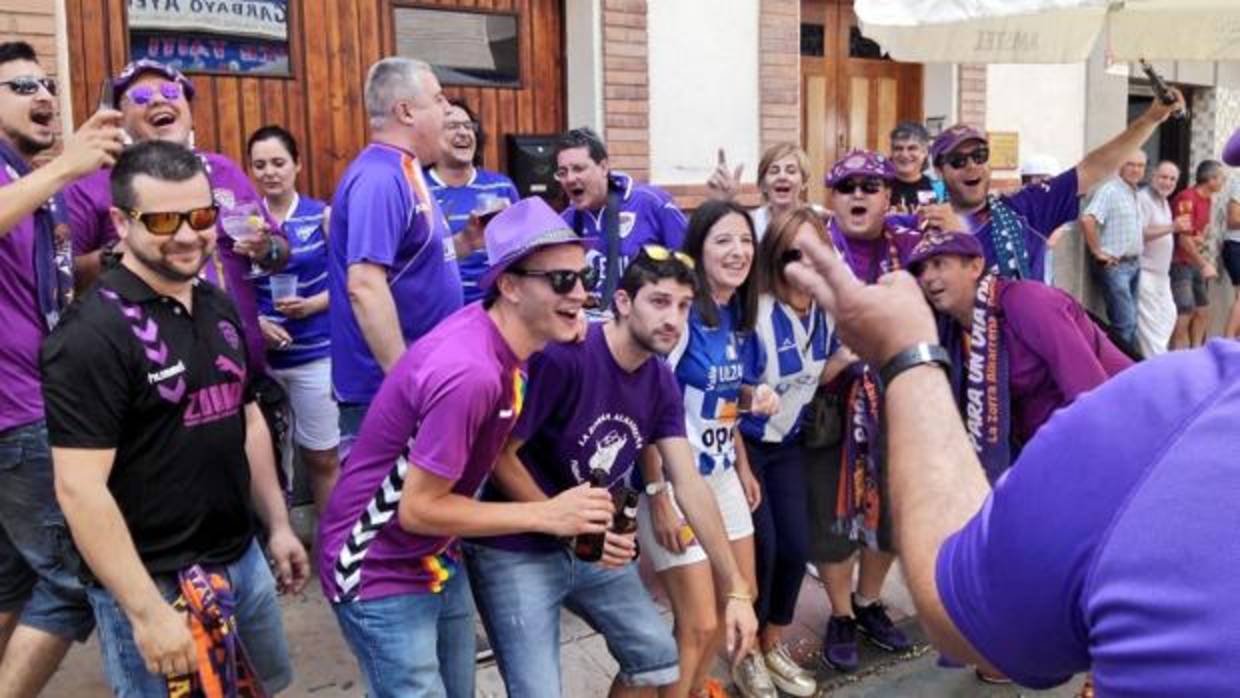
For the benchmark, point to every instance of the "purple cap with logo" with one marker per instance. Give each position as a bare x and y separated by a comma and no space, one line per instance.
953,138
137,68
522,228
860,163
1231,153
937,242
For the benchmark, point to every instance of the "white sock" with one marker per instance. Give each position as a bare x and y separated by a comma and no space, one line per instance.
863,602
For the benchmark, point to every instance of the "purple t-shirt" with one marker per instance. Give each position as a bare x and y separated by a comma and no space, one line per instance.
1044,207
89,199
1111,545
21,401
443,410
870,259
383,213
1055,352
583,411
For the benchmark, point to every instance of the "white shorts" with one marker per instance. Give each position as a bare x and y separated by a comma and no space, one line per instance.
316,419
737,521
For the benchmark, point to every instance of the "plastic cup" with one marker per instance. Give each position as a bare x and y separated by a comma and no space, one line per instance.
283,286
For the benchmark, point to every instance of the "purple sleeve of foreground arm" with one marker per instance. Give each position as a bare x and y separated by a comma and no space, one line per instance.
1051,204
456,401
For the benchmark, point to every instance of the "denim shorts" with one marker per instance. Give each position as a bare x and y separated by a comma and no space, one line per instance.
414,644
520,595
39,567
259,626
1189,288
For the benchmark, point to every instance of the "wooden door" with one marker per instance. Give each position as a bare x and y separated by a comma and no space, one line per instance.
851,95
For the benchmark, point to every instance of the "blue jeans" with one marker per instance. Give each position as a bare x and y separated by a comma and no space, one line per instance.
351,416
39,566
414,644
520,595
1119,291
258,625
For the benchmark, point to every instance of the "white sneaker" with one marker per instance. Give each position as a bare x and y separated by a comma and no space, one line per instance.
789,676
752,680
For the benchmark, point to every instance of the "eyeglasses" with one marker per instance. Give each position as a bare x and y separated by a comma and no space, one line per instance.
28,85
143,94
169,222
562,281
869,186
789,256
957,161
660,253
470,126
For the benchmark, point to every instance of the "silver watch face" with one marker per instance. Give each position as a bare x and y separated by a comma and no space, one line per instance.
653,488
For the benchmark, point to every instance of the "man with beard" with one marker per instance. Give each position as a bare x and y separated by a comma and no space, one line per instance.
162,457
912,187
155,101
595,406
1014,228
1155,304
467,193
1020,349
42,606
619,214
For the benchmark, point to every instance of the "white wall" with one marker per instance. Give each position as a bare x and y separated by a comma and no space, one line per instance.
703,58
939,92
583,54
1045,104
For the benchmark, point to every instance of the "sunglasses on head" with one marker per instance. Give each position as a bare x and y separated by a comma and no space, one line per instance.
659,253
143,94
957,161
169,222
869,186
562,281
28,85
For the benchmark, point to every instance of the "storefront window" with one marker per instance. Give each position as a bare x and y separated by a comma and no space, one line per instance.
238,36
478,49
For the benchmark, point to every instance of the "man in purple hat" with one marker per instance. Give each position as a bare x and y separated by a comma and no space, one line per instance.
391,262
616,212
1020,349
155,101
388,555
42,605
1014,229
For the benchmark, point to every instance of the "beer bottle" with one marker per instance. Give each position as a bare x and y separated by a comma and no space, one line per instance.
588,547
625,520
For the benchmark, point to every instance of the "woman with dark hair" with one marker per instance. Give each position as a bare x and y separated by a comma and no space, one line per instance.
707,364
296,327
793,351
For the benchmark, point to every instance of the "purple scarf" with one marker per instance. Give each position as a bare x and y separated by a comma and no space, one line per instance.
53,256
980,378
858,500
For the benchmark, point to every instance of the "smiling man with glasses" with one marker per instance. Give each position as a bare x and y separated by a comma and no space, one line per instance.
1014,228
42,606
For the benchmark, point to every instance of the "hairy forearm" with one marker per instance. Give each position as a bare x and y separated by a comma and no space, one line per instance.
1089,227
1106,159
24,196
937,485
375,310
264,485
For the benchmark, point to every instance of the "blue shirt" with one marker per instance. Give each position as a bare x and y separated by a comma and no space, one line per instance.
308,262
709,368
647,215
457,204
383,214
1110,545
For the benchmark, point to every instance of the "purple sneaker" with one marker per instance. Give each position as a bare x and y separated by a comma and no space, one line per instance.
876,626
839,647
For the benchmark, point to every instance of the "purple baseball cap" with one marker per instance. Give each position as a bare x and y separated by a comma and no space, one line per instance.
953,138
860,163
937,242
522,228
1231,153
137,68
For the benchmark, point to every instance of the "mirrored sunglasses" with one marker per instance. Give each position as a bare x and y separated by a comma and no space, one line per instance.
27,85
169,222
143,94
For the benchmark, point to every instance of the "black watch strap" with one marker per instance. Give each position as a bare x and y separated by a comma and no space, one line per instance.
916,355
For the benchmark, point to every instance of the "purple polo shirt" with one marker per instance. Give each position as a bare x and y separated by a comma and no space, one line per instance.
1055,352
443,410
21,401
383,213
585,411
871,258
89,199
1111,546
1043,207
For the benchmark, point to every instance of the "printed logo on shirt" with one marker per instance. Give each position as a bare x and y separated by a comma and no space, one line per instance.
219,401
628,220
224,197
305,231
171,372
610,440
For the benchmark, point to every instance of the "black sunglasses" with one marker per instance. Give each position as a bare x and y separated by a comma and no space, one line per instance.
957,161
869,186
789,256
562,281
28,85
169,222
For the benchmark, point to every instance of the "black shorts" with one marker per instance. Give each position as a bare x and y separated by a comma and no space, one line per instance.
822,477
1231,260
1188,288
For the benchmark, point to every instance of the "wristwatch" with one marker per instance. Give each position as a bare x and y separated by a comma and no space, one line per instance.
653,488
916,355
